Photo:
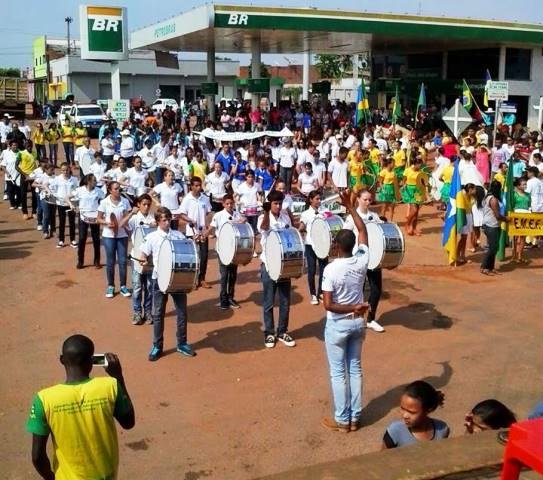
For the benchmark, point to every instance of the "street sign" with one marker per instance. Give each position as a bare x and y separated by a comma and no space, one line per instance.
104,33
508,108
498,91
120,109
158,93
457,119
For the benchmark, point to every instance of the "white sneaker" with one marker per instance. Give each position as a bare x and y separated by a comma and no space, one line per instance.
60,244
255,254
73,244
5,197
376,327
39,228
13,208
314,300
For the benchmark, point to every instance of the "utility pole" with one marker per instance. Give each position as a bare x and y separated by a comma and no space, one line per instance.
68,20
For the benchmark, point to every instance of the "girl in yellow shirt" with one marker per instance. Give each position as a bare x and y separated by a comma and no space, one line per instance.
414,194
446,178
389,191
400,159
38,137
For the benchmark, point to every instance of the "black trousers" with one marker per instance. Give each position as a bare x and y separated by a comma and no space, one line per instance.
229,274
203,252
312,261
26,186
375,281
14,194
62,223
493,240
83,234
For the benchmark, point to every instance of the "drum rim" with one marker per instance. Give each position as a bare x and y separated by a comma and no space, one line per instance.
171,265
300,241
276,235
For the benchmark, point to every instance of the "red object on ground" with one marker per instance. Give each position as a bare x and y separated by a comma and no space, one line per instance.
524,449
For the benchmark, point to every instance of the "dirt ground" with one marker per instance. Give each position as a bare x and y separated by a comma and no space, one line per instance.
238,410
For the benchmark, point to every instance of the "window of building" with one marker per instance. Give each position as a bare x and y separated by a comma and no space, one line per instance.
472,64
518,63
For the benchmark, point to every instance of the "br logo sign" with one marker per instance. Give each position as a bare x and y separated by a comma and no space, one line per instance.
238,19
103,33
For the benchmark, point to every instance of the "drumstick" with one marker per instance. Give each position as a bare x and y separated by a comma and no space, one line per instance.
130,257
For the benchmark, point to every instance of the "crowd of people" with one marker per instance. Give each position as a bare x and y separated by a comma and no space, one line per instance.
160,172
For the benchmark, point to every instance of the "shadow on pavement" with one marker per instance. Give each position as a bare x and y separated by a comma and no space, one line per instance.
380,406
417,316
234,339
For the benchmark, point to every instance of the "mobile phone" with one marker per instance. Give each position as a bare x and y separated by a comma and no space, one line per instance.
99,359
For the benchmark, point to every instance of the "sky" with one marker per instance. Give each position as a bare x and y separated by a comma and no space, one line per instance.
47,17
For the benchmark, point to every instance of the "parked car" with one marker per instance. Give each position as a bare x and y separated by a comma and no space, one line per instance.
160,104
90,115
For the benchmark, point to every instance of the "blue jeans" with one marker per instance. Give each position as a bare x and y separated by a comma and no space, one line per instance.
69,152
343,340
159,309
269,287
49,217
116,250
53,153
141,288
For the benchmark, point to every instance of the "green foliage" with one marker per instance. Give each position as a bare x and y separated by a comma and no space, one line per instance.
10,72
264,72
333,67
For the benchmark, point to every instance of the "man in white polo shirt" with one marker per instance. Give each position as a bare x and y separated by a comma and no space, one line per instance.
344,333
151,247
194,208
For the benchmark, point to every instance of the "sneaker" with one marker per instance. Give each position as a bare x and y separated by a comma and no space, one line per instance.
20,207
79,266
137,319
60,244
46,236
224,306
5,197
269,341
73,244
331,424
286,339
355,425
233,303
155,354
39,228
255,254
110,292
148,318
186,349
314,300
376,327
13,208
125,292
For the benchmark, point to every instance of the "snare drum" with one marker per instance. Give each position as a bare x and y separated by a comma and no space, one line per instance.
178,266
323,233
140,234
386,245
284,253
235,243
90,217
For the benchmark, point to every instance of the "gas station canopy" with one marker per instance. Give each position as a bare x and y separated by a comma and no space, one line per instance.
232,29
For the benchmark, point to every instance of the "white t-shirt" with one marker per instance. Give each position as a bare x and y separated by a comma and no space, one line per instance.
248,196
283,221
127,146
350,141
82,152
216,185
303,157
287,203
107,207
136,179
116,174
153,241
147,159
196,209
169,195
287,157
88,200
175,165
344,278
319,169
108,147
220,218
534,187
368,217
98,170
307,218
307,183
338,170
160,153
63,187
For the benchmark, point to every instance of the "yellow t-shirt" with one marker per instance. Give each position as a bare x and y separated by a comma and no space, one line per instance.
387,177
375,153
447,174
67,134
355,169
80,135
411,176
198,169
353,155
52,136
27,162
80,419
38,137
500,177
399,158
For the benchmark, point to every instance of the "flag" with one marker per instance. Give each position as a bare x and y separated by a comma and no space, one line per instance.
421,104
488,79
508,194
362,104
467,97
396,108
455,218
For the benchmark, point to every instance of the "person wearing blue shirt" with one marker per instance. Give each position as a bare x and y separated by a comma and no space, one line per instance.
238,170
518,167
265,175
226,158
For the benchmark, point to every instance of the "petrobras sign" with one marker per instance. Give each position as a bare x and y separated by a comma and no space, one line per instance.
104,34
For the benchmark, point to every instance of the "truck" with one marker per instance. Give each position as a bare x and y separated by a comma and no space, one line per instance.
14,97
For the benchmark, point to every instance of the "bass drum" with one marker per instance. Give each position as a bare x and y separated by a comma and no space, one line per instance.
235,243
386,245
323,233
139,237
178,266
284,253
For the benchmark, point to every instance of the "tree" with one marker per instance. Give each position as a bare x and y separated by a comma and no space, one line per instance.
10,72
333,67
264,72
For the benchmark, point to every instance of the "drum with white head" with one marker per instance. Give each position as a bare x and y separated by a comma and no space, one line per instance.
140,234
386,245
178,266
323,233
284,253
235,243
90,217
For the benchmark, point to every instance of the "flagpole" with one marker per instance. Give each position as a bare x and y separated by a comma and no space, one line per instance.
496,113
